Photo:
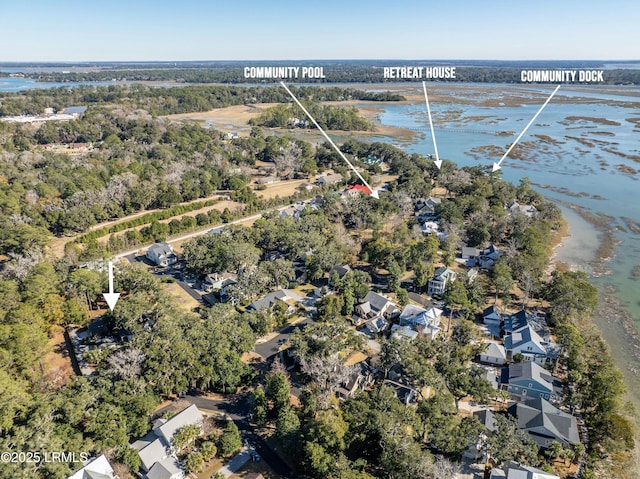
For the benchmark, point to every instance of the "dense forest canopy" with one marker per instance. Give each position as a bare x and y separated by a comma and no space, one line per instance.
137,162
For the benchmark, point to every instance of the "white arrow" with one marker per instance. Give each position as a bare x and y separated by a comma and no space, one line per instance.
438,161
373,192
496,166
111,298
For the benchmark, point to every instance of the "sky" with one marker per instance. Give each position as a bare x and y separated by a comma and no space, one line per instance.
161,30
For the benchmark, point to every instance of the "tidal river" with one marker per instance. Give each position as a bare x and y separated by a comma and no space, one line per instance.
582,152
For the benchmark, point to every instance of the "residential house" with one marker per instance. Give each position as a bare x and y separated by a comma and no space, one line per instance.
373,305
486,417
526,341
340,270
488,257
438,283
329,180
156,449
376,325
470,253
513,470
430,228
267,180
353,190
75,111
362,378
426,209
516,321
492,316
293,211
219,282
424,321
494,354
168,468
161,254
254,475
403,332
286,296
516,208
98,468
545,423
471,275
530,380
404,392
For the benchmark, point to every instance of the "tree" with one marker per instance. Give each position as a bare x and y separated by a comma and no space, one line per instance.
502,279
259,407
570,293
208,450
507,442
287,423
277,391
186,435
230,441
193,461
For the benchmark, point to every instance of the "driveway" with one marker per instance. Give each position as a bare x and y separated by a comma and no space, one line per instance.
271,347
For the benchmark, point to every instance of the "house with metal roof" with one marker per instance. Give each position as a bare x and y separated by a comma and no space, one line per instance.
526,341
98,468
530,380
161,254
545,423
442,276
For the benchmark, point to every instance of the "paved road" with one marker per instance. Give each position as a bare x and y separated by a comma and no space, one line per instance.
268,349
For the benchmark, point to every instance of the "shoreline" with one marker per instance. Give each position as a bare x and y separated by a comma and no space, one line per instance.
612,320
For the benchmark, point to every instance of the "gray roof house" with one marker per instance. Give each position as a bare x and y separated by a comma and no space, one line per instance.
517,208
375,304
426,209
492,315
329,179
156,450
545,423
283,295
494,353
530,380
513,470
161,254
168,468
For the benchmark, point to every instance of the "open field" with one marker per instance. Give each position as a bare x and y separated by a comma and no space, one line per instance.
183,298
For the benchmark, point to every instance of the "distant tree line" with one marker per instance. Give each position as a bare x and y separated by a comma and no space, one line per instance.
356,72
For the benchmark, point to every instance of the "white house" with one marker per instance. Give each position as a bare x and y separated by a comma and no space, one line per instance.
424,321
161,254
494,353
517,208
438,283
98,468
527,342
219,282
